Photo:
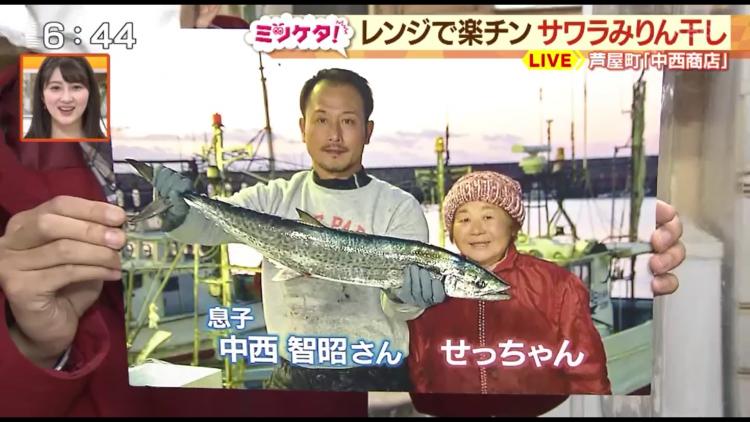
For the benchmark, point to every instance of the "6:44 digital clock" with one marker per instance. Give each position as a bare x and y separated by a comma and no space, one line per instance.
53,36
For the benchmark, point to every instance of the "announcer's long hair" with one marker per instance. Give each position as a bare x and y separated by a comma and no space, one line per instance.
73,70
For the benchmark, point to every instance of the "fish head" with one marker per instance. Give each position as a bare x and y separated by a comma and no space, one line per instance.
471,281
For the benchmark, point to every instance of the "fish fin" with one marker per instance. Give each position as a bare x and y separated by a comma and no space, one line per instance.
306,218
154,208
285,274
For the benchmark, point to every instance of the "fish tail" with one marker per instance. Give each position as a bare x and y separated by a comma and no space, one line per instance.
145,170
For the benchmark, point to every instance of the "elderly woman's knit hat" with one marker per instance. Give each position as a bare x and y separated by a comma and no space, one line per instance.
485,186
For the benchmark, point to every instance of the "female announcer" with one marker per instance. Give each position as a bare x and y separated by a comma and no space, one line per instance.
66,101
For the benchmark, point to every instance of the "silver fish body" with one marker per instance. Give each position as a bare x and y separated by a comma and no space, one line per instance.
308,248
347,257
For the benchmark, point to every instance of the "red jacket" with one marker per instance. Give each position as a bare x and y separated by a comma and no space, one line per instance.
31,174
549,304
230,22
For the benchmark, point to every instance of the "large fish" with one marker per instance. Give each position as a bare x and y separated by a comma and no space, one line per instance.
306,247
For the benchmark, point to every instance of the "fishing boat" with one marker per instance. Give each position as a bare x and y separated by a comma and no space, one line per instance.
607,265
623,320
170,286
167,309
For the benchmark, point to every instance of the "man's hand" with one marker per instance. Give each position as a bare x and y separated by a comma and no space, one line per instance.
170,184
53,260
669,252
420,288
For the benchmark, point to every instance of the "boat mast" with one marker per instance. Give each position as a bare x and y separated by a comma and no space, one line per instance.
572,131
585,120
541,118
271,158
440,148
587,179
637,169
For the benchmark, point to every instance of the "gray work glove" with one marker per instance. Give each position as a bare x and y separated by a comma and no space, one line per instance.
170,184
420,288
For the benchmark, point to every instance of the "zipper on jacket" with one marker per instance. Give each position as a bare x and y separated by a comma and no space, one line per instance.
482,343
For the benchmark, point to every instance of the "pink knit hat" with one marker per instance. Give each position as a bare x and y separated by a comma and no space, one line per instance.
486,186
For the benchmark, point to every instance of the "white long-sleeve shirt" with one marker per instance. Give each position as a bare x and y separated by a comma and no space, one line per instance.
313,307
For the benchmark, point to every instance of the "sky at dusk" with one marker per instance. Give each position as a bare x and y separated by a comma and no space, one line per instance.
164,93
